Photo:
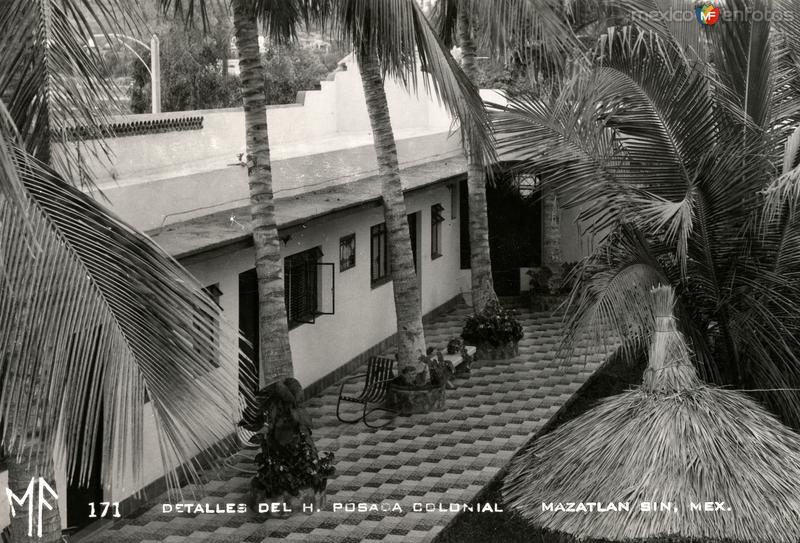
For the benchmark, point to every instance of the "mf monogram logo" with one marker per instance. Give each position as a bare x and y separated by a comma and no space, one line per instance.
40,503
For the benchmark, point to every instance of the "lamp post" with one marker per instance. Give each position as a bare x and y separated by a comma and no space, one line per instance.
155,63
155,74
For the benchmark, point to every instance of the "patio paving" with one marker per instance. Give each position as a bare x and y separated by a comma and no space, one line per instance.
443,457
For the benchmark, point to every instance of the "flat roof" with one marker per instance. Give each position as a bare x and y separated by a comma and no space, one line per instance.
232,226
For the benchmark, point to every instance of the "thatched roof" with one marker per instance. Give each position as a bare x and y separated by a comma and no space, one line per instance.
676,440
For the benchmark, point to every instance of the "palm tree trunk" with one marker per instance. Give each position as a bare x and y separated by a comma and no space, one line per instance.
480,257
410,336
20,473
275,357
551,235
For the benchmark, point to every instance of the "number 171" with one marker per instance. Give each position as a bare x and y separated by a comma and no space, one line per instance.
105,507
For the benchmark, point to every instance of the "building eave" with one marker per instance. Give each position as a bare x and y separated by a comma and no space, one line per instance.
228,230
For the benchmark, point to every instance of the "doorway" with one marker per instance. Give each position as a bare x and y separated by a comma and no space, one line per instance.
248,324
515,234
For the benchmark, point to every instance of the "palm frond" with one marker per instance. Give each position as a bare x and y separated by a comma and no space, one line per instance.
11,187
534,31
612,298
98,319
52,80
280,19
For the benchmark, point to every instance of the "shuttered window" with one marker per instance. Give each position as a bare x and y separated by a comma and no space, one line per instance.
379,255
347,252
308,287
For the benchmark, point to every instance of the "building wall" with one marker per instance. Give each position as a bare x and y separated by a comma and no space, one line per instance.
574,244
363,315
324,140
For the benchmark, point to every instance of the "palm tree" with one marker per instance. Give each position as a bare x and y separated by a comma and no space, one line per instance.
96,318
392,38
280,20
509,25
275,357
685,162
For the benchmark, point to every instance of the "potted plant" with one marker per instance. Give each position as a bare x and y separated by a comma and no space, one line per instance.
547,288
290,471
457,346
495,332
420,391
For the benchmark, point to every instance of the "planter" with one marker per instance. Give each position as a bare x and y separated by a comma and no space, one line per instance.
545,302
411,401
286,504
487,351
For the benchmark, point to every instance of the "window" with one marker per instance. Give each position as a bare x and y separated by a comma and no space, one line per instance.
208,324
347,252
308,292
453,188
379,255
436,230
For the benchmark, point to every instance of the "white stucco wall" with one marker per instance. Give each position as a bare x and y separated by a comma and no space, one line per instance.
324,140
364,316
574,245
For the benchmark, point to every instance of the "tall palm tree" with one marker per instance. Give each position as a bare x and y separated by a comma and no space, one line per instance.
685,162
275,357
392,38
280,20
509,25
95,318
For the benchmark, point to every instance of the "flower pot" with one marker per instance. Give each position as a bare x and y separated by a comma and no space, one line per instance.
287,504
487,351
545,302
413,400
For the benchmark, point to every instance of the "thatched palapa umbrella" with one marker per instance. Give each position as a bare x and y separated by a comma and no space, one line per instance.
673,439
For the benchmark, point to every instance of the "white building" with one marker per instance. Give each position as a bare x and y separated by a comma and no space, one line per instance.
179,177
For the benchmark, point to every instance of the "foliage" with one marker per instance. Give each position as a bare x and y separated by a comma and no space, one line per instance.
48,89
193,71
682,153
291,68
524,34
434,372
545,281
440,370
455,345
494,325
121,319
541,280
288,460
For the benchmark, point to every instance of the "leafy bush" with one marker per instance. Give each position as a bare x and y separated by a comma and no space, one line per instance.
440,370
540,280
288,460
494,325
435,372
455,345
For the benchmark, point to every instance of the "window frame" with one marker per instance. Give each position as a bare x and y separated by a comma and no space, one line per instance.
344,242
308,260
437,218
379,231
213,293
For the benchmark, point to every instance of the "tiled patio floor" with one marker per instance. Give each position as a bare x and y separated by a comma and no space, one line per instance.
443,457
